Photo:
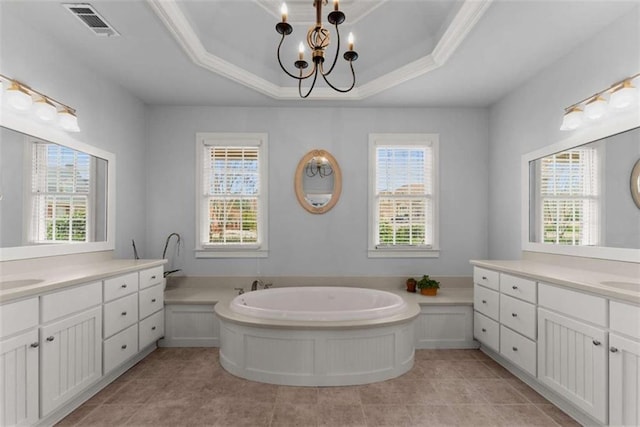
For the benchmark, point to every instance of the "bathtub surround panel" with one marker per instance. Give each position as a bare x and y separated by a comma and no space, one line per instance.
298,356
333,244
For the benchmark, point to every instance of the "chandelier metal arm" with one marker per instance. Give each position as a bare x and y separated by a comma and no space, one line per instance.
335,58
286,71
313,83
353,83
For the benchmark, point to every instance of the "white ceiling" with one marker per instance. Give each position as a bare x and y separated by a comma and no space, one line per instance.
412,52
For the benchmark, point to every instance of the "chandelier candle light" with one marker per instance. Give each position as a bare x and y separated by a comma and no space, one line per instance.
318,39
622,96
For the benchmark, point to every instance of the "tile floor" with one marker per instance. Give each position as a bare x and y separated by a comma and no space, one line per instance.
187,387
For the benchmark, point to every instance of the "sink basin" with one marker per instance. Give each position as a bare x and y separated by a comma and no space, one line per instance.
10,284
632,286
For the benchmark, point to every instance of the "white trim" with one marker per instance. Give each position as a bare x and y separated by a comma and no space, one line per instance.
180,28
613,126
399,140
27,126
261,249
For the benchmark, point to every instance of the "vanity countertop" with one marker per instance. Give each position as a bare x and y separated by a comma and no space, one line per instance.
606,284
49,279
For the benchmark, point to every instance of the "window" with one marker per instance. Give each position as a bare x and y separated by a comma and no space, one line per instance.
403,195
61,191
232,199
568,193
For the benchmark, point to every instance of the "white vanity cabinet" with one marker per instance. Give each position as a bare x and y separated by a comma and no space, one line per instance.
624,364
572,347
19,363
70,343
151,307
486,305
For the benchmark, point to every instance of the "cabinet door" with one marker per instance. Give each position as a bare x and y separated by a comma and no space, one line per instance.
572,360
19,380
624,381
71,357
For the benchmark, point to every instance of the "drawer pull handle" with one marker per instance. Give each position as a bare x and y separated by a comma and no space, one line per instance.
484,301
124,285
124,313
514,348
484,330
50,338
153,300
124,346
514,287
613,350
484,277
34,345
514,314
153,328
596,342
153,277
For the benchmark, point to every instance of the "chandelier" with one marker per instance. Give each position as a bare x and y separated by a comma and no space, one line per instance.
318,39
318,166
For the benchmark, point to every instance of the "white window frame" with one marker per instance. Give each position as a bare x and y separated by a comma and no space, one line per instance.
34,226
206,250
376,140
592,217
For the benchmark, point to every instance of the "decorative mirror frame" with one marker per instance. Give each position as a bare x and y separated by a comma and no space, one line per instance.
634,184
337,182
28,126
605,130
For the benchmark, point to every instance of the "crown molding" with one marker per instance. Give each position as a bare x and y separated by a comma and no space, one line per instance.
178,25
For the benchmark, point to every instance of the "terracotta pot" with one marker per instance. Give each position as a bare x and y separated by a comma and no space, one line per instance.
411,285
429,291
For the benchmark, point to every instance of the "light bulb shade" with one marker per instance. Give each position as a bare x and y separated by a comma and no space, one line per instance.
68,120
624,96
572,119
18,97
596,108
45,110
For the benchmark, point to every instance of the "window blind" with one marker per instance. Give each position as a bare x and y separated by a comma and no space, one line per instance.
232,191
403,192
61,189
570,197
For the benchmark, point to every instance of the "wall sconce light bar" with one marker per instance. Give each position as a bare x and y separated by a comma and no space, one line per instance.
621,96
23,98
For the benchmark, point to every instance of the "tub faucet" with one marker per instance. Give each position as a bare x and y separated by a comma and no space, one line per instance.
255,284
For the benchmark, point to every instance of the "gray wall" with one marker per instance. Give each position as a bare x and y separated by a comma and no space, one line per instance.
110,118
333,244
11,187
529,118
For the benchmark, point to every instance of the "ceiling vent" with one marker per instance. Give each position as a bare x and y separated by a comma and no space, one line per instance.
92,19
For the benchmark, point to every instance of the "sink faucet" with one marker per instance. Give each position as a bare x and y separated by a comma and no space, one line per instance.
255,284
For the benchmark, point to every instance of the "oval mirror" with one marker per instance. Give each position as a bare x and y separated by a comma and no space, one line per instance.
635,184
318,181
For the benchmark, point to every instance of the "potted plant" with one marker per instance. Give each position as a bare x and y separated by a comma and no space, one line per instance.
411,284
428,286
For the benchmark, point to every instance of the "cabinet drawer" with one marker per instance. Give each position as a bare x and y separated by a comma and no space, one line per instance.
120,314
62,303
486,302
518,349
120,347
488,278
574,304
120,286
18,316
486,331
151,300
518,287
625,318
518,315
151,276
151,329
